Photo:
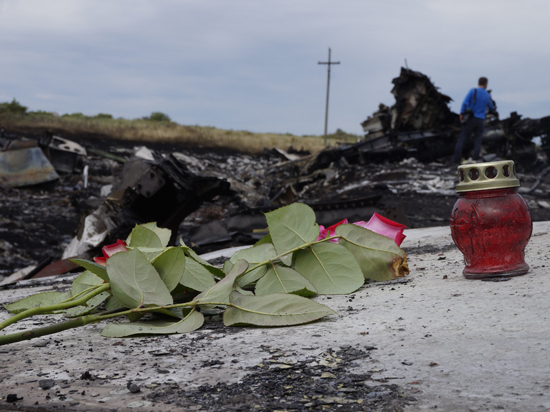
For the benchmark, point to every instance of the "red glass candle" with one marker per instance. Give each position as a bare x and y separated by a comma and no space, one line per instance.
490,222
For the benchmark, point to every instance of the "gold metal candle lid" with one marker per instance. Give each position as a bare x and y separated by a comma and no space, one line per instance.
489,175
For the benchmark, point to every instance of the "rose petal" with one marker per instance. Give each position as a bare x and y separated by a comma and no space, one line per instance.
385,227
323,233
101,261
110,250
333,227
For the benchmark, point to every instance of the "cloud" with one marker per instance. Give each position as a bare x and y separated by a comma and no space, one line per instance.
253,64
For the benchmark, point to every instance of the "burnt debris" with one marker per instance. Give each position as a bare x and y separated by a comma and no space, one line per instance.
420,124
93,191
162,191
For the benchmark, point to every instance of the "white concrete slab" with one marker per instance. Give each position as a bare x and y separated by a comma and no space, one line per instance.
456,344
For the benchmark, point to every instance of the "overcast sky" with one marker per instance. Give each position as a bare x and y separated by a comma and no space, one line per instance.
253,64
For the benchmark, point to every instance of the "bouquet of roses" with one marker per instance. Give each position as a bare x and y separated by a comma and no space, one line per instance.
268,284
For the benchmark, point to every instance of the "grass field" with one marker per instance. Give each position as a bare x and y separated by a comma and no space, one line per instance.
165,131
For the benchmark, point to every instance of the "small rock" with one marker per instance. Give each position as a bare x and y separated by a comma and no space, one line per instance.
12,397
159,352
133,388
87,376
46,383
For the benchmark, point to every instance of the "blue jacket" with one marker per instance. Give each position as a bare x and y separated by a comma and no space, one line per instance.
483,100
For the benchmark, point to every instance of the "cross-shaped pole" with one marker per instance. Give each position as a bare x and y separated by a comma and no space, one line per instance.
329,63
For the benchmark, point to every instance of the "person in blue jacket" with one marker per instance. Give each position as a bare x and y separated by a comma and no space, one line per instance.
472,117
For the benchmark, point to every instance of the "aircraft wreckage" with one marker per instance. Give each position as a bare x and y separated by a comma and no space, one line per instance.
421,125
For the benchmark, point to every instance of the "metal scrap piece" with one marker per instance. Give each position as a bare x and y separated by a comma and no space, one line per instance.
25,167
64,154
162,191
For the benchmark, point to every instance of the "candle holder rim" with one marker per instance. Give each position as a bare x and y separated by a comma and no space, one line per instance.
487,175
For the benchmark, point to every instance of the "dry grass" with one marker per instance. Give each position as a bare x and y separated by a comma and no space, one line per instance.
169,132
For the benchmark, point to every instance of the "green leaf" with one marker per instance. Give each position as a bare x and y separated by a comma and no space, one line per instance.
247,278
219,293
287,259
273,310
135,316
93,267
227,266
196,276
252,276
135,282
151,252
170,265
193,321
255,254
39,299
261,252
90,306
172,312
243,291
279,279
162,234
305,292
144,237
113,304
85,281
292,226
378,256
330,267
212,269
265,239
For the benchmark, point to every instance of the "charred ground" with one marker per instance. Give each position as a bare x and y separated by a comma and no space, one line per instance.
37,222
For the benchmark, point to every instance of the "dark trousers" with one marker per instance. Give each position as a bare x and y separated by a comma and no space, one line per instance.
475,126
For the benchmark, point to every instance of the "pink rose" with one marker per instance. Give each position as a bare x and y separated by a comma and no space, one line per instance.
385,227
323,233
377,223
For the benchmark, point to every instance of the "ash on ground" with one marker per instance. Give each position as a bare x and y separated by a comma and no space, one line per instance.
282,382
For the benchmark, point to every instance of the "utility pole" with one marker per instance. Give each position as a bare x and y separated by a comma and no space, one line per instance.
329,63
